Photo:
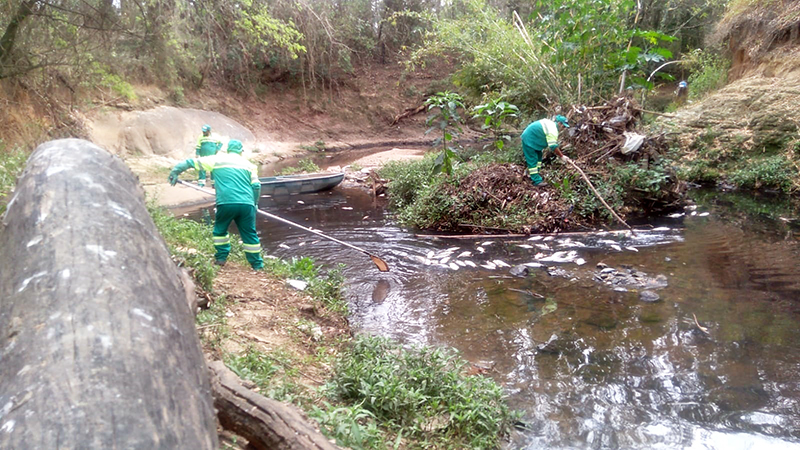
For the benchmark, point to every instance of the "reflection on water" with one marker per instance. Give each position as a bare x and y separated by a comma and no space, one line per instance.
591,367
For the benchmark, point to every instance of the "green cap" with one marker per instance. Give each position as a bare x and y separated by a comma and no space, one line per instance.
562,120
206,128
234,146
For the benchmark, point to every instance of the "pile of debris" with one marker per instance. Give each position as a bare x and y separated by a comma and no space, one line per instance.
499,189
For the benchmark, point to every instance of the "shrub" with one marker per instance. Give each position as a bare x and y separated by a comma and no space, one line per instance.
775,172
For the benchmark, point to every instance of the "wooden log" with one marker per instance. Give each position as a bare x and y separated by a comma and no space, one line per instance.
265,423
97,341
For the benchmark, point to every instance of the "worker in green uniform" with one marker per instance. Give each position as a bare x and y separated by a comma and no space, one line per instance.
538,136
206,146
238,190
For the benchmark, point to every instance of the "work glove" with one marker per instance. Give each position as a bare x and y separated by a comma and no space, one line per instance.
173,178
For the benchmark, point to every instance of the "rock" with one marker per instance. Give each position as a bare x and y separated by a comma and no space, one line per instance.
519,271
649,296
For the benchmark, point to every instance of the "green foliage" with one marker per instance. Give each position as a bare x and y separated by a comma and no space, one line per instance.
191,244
351,426
444,117
773,172
495,114
253,365
325,288
407,179
318,146
12,162
303,166
709,72
421,392
214,323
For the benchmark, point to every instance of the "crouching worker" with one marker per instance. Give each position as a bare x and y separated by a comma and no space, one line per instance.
538,136
238,190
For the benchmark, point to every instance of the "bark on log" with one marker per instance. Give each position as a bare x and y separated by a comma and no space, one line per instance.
97,342
267,424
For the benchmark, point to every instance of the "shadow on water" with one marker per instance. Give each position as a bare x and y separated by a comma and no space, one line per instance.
712,364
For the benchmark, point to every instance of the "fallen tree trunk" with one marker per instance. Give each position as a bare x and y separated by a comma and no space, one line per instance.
97,342
265,423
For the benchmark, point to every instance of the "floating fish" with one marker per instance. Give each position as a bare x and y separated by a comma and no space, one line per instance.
543,246
524,246
549,238
572,244
661,229
633,249
480,249
347,207
301,202
690,207
460,263
703,214
470,263
616,247
499,263
533,264
430,254
580,261
365,218
283,246
452,249
301,244
535,238
606,241
489,265
560,257
676,215
454,266
444,260
694,213
539,256
487,243
464,254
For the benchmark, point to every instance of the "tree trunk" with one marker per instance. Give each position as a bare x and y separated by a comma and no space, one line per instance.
97,344
9,38
265,423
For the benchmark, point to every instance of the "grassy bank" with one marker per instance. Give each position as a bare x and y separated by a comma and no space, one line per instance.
365,392
12,161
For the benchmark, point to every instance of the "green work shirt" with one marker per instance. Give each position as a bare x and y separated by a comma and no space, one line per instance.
236,178
539,135
207,145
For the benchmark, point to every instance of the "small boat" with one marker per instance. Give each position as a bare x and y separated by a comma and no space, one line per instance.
300,184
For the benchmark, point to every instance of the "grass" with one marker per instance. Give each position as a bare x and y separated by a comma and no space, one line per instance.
420,393
303,166
324,288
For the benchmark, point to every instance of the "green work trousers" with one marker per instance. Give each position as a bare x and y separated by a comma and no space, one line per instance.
245,217
201,174
534,160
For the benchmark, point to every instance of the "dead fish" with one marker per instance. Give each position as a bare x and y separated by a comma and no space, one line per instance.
452,249
499,263
430,254
460,263
489,265
703,214
365,218
444,260
524,246
538,256
381,291
557,257
535,238
533,264
301,202
487,243
616,247
464,254
480,249
690,207
633,249
543,246
549,238
301,244
660,229
454,266
347,207
580,261
283,246
694,213
676,215
470,263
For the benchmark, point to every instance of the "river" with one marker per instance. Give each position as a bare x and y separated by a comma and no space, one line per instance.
713,363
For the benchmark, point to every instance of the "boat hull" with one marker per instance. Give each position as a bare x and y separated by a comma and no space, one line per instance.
300,184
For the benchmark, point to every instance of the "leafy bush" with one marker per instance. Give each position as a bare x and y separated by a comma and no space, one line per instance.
775,172
406,179
423,392
303,166
11,165
710,73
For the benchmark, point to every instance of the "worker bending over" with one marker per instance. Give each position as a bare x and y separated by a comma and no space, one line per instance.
238,190
538,136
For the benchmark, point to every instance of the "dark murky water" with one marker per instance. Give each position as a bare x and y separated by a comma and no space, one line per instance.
591,366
